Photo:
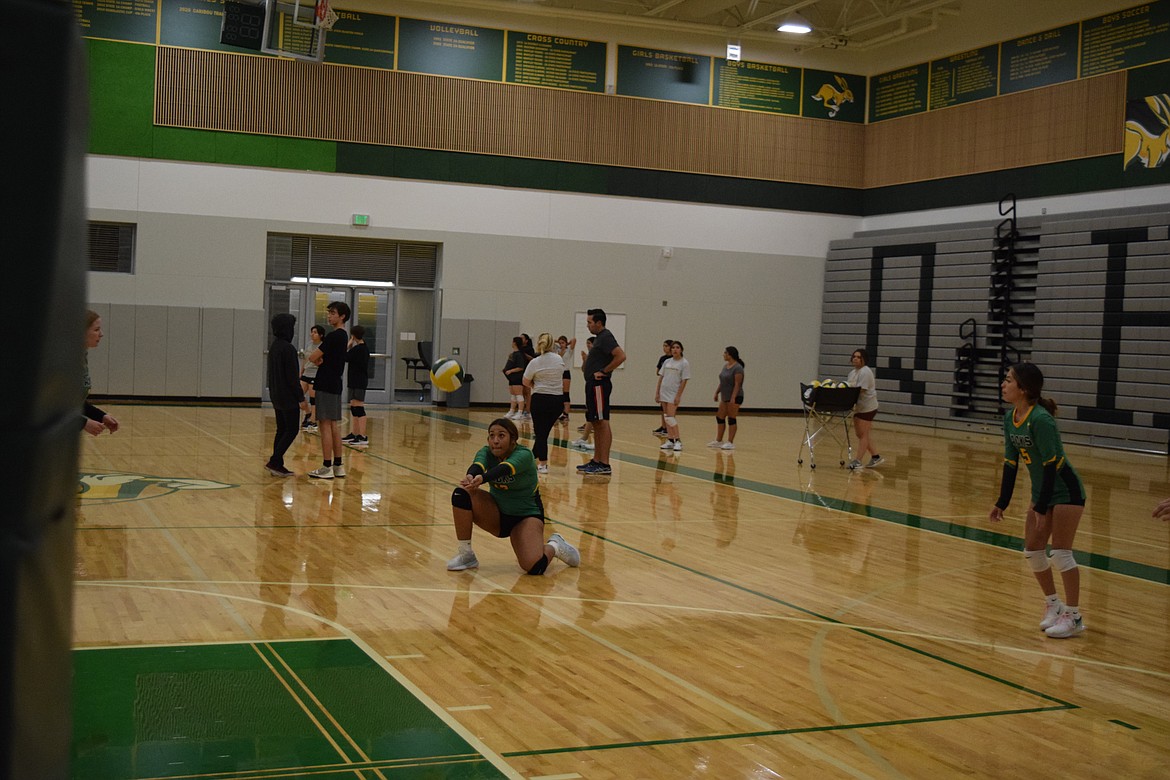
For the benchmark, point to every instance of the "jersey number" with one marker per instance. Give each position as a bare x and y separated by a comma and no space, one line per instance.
1024,456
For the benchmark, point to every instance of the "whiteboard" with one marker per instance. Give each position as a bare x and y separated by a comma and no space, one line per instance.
616,323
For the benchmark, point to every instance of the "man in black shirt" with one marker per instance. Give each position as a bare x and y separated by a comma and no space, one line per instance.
358,360
604,357
330,360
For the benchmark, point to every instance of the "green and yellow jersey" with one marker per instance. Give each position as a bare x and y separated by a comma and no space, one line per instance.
1035,441
514,485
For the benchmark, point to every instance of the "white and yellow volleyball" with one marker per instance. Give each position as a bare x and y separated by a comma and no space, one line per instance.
447,375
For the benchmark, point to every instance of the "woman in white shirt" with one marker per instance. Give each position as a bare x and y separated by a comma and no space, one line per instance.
545,376
865,410
672,380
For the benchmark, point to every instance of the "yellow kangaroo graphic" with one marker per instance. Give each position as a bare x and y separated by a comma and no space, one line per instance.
1142,145
834,98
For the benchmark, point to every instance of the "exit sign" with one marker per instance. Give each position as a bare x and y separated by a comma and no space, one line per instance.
361,220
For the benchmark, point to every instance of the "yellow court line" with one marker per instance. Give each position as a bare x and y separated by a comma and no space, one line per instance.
301,703
320,705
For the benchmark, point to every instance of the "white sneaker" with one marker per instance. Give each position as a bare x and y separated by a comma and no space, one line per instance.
339,471
565,551
677,445
715,444
854,464
1051,613
667,445
875,461
464,560
325,472
526,416
1065,626
542,468
728,446
510,416
581,444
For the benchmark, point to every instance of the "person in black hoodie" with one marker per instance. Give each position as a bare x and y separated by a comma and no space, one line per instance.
284,388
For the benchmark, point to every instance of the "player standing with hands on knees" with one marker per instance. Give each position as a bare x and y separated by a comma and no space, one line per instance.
603,359
1058,497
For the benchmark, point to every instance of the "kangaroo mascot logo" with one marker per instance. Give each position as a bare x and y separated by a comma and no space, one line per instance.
111,488
1147,132
834,97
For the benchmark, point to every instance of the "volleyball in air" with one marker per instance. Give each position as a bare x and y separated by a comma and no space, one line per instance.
447,375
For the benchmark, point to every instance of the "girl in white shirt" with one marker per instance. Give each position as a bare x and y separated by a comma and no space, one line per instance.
672,380
865,410
545,377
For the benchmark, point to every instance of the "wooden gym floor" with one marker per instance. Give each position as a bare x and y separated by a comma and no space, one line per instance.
735,615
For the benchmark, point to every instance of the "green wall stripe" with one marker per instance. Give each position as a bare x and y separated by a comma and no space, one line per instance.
466,168
1092,174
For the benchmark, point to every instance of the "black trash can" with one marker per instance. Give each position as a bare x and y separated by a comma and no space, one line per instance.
461,398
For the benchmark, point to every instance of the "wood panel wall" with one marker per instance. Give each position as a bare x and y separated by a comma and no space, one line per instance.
268,96
1067,121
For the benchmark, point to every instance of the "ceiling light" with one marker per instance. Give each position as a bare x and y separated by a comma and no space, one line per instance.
795,23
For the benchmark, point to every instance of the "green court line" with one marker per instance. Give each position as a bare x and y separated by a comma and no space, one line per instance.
773,599
1123,723
1098,561
783,732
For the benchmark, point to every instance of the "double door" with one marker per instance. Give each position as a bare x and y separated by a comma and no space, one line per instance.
370,307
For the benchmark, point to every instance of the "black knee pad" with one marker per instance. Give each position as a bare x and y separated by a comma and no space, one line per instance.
313,401
719,419
731,421
539,566
461,499
358,411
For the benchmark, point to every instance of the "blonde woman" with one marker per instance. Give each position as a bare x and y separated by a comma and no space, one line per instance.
544,378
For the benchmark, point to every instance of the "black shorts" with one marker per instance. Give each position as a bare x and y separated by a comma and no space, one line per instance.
866,415
308,380
597,392
357,394
508,523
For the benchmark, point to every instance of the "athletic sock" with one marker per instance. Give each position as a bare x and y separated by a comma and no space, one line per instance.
556,547
336,462
464,545
328,465
1074,611
1053,599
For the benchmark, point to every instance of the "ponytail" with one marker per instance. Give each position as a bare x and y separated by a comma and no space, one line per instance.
1031,380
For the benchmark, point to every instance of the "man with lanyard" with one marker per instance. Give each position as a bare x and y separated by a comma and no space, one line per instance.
604,357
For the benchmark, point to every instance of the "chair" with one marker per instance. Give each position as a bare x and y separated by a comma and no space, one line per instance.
421,363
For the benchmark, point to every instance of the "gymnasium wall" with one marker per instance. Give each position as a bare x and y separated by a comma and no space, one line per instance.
151,102
735,276
1089,309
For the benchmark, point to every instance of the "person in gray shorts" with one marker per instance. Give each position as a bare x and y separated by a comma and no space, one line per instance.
330,360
